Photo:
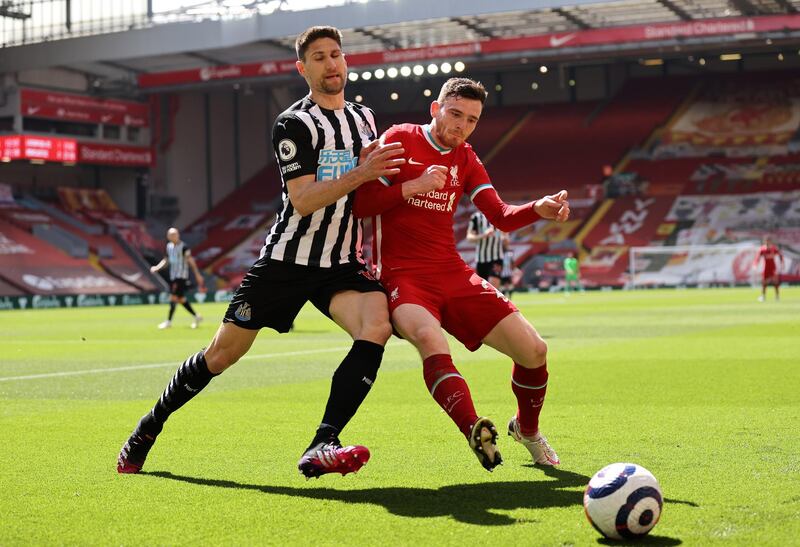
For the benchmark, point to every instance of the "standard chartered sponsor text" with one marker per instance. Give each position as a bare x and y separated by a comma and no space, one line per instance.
699,29
114,154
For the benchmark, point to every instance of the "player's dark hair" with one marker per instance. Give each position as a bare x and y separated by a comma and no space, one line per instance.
462,87
315,33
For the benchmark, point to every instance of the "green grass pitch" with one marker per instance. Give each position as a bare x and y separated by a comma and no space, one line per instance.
702,387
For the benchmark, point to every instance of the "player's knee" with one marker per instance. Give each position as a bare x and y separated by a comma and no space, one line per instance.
374,326
426,337
535,353
378,331
539,350
219,359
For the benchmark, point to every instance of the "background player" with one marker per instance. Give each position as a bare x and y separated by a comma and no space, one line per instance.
771,274
431,288
572,274
325,149
510,275
489,246
179,258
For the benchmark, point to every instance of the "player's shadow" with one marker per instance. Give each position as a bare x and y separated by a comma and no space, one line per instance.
469,503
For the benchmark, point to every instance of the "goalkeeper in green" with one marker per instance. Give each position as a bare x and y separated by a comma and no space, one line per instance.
572,275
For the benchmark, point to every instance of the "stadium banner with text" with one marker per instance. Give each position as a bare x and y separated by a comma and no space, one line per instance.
68,150
716,219
726,117
746,26
28,302
35,103
695,265
115,154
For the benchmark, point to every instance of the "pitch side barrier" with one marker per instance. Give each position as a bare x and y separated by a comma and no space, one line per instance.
37,301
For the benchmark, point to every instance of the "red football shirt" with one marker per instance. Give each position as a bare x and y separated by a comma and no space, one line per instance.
770,253
418,233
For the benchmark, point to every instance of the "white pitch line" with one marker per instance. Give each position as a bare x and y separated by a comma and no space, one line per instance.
158,365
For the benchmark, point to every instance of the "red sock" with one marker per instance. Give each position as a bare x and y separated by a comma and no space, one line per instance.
529,385
450,390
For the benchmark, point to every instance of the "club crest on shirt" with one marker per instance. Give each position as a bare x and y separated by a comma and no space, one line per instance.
454,175
365,130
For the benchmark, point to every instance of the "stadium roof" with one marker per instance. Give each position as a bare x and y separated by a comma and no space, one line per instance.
177,36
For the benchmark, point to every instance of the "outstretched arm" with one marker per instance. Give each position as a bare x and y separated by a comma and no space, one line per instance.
513,217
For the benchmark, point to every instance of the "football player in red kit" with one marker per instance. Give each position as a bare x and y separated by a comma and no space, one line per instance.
770,275
430,288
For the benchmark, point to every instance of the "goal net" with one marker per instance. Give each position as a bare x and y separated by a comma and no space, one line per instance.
693,265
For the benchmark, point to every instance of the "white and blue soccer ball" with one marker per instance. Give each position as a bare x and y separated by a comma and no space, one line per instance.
623,501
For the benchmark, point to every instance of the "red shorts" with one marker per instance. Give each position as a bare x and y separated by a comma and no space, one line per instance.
466,305
770,274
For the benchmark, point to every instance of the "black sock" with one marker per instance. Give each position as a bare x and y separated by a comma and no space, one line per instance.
171,311
191,377
188,307
349,387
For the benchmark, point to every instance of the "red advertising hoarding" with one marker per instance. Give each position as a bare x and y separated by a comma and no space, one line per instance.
57,149
614,35
36,103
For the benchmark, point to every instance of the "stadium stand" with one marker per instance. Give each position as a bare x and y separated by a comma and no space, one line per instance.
729,176
95,206
36,267
79,240
568,144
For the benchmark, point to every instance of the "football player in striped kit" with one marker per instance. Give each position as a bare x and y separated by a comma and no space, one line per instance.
489,246
326,147
179,259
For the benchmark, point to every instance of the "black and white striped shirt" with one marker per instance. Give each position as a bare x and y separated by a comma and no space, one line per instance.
311,140
489,249
177,254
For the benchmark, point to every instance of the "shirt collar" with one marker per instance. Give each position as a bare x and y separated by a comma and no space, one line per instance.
426,130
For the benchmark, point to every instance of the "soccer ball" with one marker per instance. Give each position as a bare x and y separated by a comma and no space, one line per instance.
623,501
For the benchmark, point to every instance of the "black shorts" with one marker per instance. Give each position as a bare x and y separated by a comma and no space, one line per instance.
489,269
177,287
273,292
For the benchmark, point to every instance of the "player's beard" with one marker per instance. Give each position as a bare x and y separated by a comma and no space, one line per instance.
332,87
447,138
